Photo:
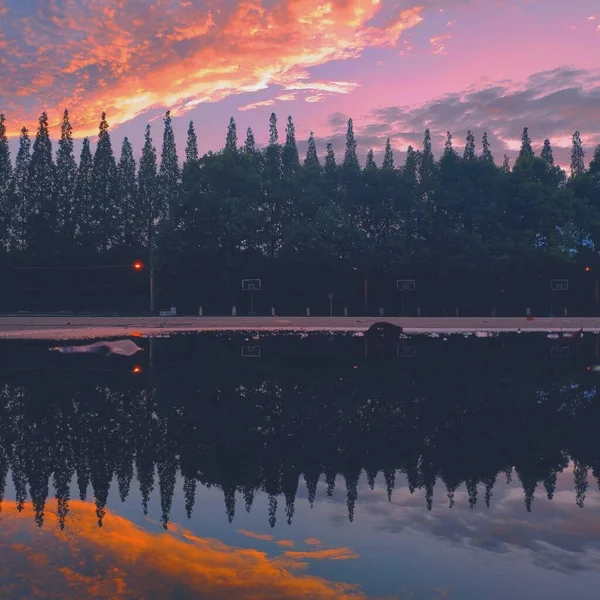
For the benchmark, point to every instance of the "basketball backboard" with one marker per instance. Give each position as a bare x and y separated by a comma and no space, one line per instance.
251,351
251,285
406,351
560,351
559,285
406,285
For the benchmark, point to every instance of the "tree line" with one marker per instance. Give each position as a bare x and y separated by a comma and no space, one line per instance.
306,225
275,426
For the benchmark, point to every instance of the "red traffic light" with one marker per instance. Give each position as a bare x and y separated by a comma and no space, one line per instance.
588,269
138,266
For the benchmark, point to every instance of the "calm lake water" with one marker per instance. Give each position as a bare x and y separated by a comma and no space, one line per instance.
231,465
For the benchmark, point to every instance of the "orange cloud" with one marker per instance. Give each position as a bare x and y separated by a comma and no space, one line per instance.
313,542
259,104
329,554
438,43
100,55
285,543
122,560
257,536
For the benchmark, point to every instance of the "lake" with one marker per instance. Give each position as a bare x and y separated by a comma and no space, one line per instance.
263,465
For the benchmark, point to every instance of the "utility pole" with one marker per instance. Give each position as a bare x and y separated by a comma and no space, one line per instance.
152,275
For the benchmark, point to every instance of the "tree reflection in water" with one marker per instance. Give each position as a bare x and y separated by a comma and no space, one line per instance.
462,411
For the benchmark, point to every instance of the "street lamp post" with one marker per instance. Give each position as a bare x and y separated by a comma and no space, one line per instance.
138,266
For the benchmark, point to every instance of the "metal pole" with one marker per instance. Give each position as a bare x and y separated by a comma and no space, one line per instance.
252,302
151,289
331,307
152,274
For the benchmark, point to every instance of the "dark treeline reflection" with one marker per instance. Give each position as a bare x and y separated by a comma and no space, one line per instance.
311,408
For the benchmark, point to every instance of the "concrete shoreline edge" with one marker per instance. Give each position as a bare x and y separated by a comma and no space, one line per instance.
31,327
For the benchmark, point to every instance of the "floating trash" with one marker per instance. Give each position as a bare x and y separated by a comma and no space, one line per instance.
120,347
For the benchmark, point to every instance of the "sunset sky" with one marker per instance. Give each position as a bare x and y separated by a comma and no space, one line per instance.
395,66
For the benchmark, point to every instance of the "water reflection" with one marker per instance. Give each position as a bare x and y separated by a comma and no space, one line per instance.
127,561
455,412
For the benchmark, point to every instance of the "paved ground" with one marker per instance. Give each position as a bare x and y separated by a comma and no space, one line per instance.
33,327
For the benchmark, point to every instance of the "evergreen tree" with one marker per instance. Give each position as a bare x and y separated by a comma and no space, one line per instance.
6,216
312,158
191,147
526,149
470,146
547,153
487,153
84,189
594,168
42,193
331,174
232,138
147,189
169,173
250,143
506,164
272,184
291,162
350,157
66,179
388,158
105,211
577,156
370,164
330,164
273,133
427,158
131,233
448,149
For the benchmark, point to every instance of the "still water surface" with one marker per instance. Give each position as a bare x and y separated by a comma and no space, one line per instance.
314,466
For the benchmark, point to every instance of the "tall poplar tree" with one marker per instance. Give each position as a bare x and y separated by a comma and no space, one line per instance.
370,162
105,210
6,217
350,156
546,154
272,185
312,158
232,137
594,168
131,225
42,193
427,163
22,201
169,173
577,156
84,192
147,189
470,147
487,152
250,142
191,146
66,179
388,157
290,159
526,148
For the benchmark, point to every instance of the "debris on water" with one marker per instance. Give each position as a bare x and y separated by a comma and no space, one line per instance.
359,334
486,334
552,336
121,347
573,334
434,335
